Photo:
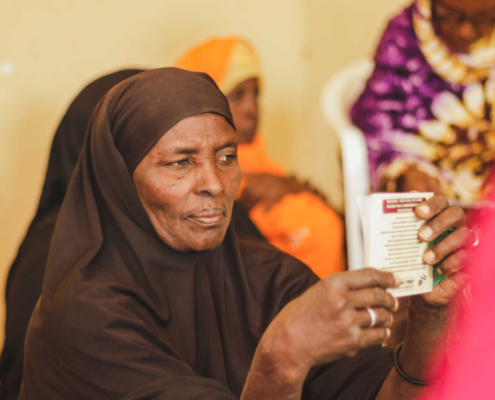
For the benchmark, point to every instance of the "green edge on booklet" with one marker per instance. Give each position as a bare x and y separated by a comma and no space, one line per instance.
437,277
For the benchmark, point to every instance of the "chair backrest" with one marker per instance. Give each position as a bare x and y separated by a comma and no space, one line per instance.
338,96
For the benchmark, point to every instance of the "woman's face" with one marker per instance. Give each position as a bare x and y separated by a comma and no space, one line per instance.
463,22
243,102
188,182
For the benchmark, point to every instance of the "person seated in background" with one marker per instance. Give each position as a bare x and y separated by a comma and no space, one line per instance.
150,294
25,278
288,213
427,110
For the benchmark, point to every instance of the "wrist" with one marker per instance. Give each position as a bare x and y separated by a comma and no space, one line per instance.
420,306
272,375
421,356
276,356
425,321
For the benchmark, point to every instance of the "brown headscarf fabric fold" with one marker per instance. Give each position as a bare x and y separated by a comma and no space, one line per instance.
124,316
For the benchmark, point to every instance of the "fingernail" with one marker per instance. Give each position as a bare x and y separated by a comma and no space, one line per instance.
425,233
389,332
424,209
440,272
396,305
397,281
429,257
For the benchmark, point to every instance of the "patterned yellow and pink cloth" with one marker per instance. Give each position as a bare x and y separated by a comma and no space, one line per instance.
302,224
429,107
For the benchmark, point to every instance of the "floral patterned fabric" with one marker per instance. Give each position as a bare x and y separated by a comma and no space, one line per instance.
413,112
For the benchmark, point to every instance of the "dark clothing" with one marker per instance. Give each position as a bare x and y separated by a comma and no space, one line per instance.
25,278
24,288
69,137
242,222
124,316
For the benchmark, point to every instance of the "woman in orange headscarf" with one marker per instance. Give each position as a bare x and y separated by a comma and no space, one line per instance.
287,212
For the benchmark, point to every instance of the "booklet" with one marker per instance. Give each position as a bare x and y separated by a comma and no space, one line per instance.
390,233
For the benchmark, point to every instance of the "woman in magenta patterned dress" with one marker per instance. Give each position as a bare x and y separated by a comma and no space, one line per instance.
426,111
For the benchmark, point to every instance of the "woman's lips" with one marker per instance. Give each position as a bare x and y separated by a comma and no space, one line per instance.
208,218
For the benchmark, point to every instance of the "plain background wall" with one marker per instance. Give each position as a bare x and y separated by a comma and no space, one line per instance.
50,49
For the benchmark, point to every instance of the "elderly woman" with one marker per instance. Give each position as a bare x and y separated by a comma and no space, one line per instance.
426,111
149,294
287,212
26,274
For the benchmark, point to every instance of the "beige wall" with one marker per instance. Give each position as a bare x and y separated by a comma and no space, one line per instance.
50,49
338,32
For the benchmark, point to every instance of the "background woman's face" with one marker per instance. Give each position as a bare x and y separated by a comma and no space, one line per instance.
463,22
188,182
243,102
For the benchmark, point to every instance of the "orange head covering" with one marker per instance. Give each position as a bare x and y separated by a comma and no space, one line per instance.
300,224
229,61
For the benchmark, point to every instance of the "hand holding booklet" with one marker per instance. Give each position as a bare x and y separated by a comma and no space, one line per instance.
391,243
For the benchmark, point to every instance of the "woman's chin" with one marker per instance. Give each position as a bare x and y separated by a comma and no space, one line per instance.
195,240
208,243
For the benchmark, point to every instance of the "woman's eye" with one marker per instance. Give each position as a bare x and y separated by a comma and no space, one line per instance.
228,157
236,96
180,163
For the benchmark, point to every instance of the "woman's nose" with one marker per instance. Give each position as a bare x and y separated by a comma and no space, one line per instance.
251,107
210,181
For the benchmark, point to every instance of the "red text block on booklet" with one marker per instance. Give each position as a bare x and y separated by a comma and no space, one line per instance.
401,205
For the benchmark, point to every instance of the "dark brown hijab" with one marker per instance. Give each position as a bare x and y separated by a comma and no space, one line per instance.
122,315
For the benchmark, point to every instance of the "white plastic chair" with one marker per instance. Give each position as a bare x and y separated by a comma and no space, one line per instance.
337,97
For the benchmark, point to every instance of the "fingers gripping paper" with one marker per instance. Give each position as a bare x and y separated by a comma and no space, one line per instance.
390,233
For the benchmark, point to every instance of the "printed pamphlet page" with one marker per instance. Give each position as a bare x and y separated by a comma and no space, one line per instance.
390,233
